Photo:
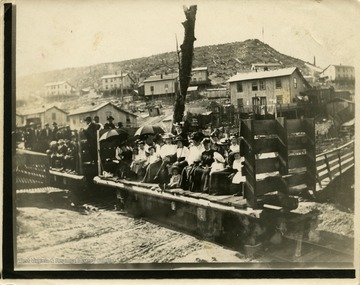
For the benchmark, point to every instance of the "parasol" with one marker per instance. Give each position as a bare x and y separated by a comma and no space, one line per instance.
149,130
114,133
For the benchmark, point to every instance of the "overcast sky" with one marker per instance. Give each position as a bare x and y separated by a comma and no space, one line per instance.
57,34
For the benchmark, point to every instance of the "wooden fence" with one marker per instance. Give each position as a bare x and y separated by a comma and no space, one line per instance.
333,163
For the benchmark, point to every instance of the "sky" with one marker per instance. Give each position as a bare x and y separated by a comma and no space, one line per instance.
60,34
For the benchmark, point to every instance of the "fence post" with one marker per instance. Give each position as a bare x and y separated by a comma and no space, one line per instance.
328,167
339,158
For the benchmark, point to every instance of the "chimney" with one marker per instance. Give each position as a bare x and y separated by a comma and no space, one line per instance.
314,61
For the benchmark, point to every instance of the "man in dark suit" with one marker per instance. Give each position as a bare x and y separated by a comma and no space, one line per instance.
91,136
45,138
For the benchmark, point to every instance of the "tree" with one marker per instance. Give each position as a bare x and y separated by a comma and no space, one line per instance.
185,61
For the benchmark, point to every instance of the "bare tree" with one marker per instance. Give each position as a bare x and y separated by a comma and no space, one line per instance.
185,61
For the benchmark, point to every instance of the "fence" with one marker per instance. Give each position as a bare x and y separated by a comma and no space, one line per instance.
31,169
333,163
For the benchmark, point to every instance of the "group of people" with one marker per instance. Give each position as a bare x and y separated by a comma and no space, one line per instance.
178,160
38,139
63,154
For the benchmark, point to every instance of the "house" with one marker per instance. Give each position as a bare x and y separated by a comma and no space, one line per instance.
121,83
44,115
76,117
58,90
258,92
265,66
216,93
338,73
161,86
19,120
199,76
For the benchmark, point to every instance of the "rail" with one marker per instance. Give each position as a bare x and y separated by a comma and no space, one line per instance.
333,163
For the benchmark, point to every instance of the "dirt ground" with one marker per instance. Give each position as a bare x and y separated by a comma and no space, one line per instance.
65,236
62,236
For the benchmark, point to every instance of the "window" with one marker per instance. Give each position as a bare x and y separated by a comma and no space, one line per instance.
239,87
152,88
262,84
106,87
105,80
74,121
263,101
278,83
240,102
128,118
295,82
254,86
166,86
53,116
279,99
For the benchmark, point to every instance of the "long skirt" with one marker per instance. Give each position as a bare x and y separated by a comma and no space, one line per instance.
151,171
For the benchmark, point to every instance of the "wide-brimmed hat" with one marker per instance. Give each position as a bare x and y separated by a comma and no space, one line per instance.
197,136
206,140
180,138
218,157
167,136
46,124
174,166
223,141
54,124
87,119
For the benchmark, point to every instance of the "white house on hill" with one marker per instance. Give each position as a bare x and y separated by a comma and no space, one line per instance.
164,85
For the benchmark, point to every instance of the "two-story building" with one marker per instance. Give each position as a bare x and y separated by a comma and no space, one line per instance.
338,72
58,90
118,84
259,92
161,86
76,117
200,77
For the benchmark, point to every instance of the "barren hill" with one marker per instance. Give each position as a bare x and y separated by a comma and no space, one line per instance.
222,60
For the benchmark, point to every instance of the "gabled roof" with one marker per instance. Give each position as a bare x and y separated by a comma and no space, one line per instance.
262,74
171,76
199,69
90,109
266,64
114,76
56,83
38,110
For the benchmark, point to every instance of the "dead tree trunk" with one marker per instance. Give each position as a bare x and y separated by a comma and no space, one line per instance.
185,64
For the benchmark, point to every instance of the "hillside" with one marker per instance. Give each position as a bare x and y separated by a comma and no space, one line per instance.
222,60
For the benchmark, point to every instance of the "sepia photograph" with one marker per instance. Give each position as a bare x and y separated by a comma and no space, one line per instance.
184,135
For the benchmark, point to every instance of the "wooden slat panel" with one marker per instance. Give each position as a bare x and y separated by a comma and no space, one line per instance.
267,165
295,126
264,127
347,164
266,145
297,179
297,143
298,161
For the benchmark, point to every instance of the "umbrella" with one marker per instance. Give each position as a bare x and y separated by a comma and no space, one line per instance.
114,133
149,130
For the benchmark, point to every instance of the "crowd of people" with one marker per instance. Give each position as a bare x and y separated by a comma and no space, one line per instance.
184,159
177,160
